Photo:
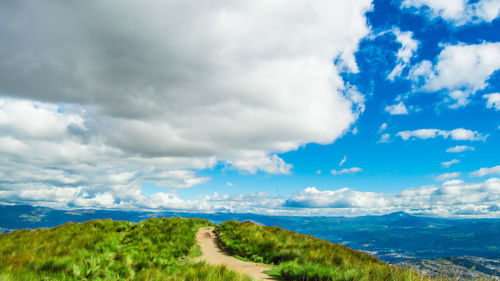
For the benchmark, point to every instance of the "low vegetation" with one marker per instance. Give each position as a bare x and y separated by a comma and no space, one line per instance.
154,249
303,257
164,248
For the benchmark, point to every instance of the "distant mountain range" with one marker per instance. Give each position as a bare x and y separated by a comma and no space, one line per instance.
392,238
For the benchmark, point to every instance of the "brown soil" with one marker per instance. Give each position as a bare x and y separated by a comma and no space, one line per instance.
212,254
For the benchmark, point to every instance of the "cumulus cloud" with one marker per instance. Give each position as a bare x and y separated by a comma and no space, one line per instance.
457,12
493,100
447,164
447,176
408,48
45,144
486,171
456,134
420,133
31,120
459,148
352,170
460,71
270,164
453,182
173,89
88,197
175,178
342,198
397,109
452,199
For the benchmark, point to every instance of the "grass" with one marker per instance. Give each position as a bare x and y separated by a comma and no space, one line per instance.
303,257
163,249
154,249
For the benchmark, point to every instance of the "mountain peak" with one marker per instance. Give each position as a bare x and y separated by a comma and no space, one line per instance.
399,215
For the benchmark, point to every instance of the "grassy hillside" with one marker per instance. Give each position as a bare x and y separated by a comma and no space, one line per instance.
161,249
303,257
154,249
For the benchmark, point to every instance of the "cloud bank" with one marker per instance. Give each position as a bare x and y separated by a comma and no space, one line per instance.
93,106
452,199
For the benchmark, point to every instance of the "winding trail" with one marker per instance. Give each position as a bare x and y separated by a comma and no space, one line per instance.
212,254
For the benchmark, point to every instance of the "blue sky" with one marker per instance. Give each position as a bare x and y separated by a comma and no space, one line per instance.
346,108
397,164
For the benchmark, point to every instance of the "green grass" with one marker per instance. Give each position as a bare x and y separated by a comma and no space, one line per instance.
303,257
154,249
163,249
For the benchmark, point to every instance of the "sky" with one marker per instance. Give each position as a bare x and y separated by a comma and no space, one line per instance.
324,108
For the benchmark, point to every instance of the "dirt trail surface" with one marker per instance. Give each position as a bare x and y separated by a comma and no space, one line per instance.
212,254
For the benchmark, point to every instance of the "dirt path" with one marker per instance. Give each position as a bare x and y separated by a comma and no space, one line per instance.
212,254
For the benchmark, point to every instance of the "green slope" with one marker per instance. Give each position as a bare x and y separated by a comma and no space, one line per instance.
154,249
303,257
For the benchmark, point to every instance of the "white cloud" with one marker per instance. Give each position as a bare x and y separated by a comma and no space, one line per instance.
459,98
486,171
447,164
397,109
343,160
456,134
342,198
408,48
382,127
25,119
352,170
458,12
385,138
452,199
175,178
229,184
447,176
463,134
85,197
459,148
355,131
170,84
460,70
493,100
121,103
421,133
270,164
452,182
